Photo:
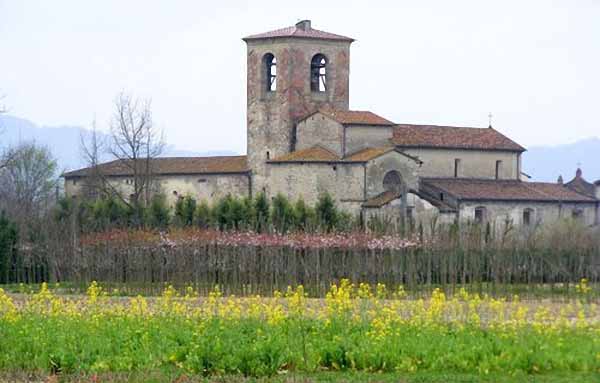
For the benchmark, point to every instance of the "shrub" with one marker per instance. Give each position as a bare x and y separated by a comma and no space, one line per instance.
327,213
261,206
159,211
346,222
64,209
282,214
109,212
203,216
250,220
304,216
223,213
184,211
237,213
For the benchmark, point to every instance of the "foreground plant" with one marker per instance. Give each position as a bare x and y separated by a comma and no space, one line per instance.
356,328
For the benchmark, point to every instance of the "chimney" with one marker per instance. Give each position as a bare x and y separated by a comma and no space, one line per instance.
560,180
578,173
304,25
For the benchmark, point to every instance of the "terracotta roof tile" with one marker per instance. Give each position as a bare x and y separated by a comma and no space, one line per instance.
381,199
355,117
432,136
298,31
505,190
368,154
312,154
173,165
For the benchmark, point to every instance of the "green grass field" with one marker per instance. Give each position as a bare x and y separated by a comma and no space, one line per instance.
357,333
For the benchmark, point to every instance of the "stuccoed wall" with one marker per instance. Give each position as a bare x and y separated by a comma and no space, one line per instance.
320,130
544,213
473,164
271,116
204,187
360,137
344,182
201,187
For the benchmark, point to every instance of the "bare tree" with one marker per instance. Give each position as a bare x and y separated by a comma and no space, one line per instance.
135,141
92,145
28,182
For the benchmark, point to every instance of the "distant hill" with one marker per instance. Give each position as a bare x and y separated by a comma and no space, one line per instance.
546,163
64,141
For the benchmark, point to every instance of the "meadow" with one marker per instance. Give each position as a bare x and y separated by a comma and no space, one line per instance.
357,332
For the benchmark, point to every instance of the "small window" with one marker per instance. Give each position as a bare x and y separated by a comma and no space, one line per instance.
479,214
174,192
268,155
498,169
201,180
441,196
270,65
577,214
318,73
334,167
456,167
527,217
74,182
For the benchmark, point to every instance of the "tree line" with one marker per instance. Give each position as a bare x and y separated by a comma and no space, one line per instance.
258,214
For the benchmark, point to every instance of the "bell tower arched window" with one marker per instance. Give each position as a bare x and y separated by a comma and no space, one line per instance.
318,73
270,66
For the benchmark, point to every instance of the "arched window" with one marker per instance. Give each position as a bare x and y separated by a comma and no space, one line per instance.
392,181
270,65
318,73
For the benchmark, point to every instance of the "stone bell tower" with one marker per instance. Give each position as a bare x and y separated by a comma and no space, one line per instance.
291,73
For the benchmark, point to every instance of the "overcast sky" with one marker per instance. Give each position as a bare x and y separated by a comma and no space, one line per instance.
534,64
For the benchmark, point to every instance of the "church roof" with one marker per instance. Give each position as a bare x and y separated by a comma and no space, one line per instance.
368,154
302,29
580,185
451,137
381,199
354,117
316,153
504,190
171,166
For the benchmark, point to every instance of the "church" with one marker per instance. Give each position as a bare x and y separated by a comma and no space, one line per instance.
303,140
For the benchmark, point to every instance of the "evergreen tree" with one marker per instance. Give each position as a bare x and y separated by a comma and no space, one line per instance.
203,216
261,206
8,247
185,208
282,214
327,213
159,212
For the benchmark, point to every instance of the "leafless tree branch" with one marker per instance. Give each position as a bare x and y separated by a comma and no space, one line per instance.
135,141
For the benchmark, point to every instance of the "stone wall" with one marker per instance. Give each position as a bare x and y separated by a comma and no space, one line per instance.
359,137
271,116
378,167
320,130
344,182
473,163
